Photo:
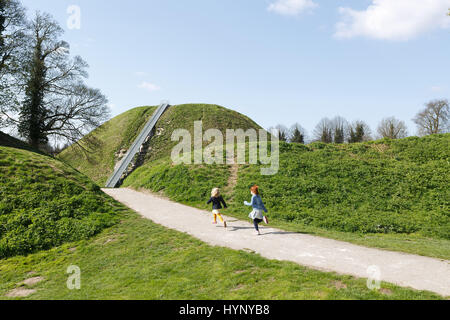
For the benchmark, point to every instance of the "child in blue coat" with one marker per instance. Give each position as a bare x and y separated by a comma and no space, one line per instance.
258,207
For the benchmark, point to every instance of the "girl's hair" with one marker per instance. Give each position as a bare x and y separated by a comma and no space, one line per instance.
215,192
255,189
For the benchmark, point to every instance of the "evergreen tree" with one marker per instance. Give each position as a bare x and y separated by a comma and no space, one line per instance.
324,131
339,135
282,132
33,112
282,136
297,136
359,134
359,131
338,125
327,135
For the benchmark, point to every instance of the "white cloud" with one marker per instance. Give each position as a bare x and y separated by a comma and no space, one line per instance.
394,19
149,86
291,7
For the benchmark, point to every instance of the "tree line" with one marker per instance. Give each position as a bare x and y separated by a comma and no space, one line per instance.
42,88
433,119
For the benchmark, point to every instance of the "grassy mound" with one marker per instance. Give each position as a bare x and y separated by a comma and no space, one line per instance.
99,156
44,203
120,132
184,116
8,141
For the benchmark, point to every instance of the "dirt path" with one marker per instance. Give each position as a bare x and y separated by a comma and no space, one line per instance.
406,270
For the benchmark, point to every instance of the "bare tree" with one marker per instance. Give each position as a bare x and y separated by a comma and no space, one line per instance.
55,100
392,128
434,118
12,40
324,131
12,26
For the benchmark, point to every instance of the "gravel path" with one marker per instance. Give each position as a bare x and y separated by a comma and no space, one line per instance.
403,269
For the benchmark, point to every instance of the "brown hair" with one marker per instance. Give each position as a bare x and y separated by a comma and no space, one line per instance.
255,189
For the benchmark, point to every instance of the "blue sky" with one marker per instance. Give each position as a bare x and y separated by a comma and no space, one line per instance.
276,61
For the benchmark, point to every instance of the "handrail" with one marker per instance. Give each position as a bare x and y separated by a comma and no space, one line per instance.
135,147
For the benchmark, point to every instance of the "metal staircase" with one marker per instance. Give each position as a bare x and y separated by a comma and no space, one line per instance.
135,147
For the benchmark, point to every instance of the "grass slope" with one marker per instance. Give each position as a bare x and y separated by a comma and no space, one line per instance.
387,194
8,141
120,132
184,116
138,259
114,135
386,187
44,203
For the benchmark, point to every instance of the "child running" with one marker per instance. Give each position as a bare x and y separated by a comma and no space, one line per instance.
258,207
217,202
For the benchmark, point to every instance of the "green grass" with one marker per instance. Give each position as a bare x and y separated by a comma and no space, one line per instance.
385,194
138,259
53,217
184,116
186,184
119,133
358,189
44,203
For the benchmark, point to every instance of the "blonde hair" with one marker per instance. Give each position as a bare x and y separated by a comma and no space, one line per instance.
215,192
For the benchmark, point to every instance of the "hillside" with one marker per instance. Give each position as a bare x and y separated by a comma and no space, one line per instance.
399,187
119,133
8,141
52,216
379,187
58,217
388,194
44,203
100,149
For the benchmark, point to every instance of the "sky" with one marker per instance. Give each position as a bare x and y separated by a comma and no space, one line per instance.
276,61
